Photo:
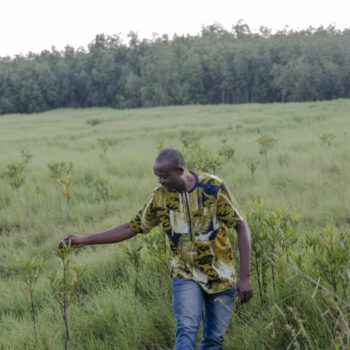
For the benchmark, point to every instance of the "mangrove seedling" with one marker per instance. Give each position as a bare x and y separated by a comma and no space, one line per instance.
266,144
15,176
103,191
252,166
133,252
158,250
197,155
327,141
238,127
227,152
104,143
26,156
260,246
66,190
65,288
331,255
31,271
57,171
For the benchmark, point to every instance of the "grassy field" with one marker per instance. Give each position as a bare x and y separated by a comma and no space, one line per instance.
304,175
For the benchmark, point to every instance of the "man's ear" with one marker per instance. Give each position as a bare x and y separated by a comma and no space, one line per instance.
180,171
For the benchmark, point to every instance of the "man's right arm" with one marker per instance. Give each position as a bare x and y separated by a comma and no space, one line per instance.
142,222
116,234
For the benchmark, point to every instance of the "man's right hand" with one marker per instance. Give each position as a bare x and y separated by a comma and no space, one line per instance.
76,241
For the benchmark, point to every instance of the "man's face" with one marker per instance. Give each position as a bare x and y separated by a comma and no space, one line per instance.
169,176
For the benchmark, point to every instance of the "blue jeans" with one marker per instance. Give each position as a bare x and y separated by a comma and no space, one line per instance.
188,300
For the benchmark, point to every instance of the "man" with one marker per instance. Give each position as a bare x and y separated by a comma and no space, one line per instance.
195,211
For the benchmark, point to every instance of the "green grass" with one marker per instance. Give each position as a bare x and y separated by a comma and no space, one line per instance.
107,314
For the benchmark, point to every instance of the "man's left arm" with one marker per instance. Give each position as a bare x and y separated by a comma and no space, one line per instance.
244,286
229,214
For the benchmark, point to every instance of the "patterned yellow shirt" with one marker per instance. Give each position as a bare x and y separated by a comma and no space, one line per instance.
196,223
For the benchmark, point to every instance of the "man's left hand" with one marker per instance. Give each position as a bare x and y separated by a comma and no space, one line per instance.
244,289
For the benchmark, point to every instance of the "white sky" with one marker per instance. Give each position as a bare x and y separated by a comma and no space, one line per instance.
36,25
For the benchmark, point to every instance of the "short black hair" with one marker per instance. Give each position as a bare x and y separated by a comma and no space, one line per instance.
173,156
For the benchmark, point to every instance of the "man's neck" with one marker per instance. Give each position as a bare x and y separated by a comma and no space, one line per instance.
190,181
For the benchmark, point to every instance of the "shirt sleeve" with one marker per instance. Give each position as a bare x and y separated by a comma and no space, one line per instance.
228,211
146,218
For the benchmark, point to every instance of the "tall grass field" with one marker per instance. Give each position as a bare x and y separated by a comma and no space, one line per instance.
124,299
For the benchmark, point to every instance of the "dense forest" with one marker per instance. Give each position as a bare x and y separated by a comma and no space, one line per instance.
215,66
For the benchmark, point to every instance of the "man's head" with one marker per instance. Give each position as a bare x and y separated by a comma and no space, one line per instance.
170,167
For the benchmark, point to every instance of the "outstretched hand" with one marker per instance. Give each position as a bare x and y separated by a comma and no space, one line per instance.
244,289
76,241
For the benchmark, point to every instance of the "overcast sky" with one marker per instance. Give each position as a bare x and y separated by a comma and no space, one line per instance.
35,25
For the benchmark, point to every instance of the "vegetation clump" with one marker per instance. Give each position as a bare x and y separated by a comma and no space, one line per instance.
300,262
197,155
93,122
216,66
331,257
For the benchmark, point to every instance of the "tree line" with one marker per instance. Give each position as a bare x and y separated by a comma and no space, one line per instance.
215,66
